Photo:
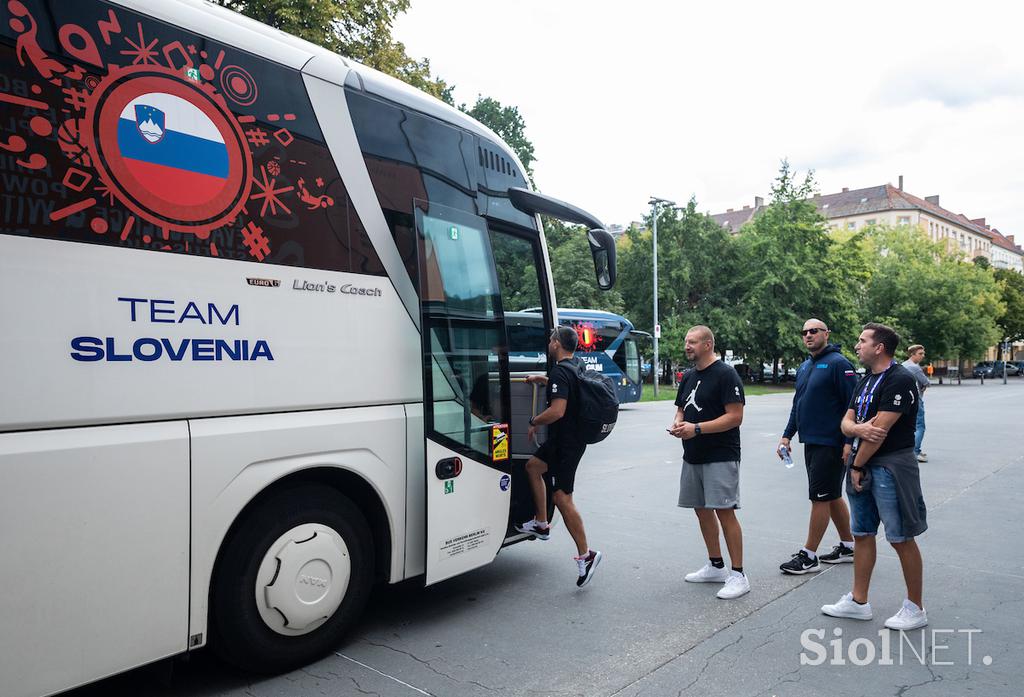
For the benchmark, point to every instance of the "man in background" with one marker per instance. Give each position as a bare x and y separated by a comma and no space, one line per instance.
915,355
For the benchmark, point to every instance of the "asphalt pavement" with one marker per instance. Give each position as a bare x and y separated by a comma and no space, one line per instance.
521,627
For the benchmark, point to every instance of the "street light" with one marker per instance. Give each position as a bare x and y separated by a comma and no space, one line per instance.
655,202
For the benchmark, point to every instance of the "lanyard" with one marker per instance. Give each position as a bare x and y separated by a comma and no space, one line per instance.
867,395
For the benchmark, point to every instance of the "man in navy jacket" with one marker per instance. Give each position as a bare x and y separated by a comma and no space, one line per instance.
824,387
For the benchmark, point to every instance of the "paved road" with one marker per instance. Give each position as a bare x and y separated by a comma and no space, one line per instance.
520,626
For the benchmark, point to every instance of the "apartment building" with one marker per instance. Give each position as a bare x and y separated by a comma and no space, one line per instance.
853,209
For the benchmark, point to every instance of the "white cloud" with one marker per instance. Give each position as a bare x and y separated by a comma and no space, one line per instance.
623,101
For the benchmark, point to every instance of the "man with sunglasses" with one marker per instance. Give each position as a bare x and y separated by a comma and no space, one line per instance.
824,386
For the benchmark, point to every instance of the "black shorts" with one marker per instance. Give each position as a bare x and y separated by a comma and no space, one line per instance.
562,459
825,471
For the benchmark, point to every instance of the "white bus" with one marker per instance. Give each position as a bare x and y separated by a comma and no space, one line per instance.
253,354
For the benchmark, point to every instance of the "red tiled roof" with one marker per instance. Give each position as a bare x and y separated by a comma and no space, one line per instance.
872,199
999,240
734,220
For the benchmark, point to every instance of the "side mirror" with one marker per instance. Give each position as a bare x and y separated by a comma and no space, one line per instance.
602,248
602,244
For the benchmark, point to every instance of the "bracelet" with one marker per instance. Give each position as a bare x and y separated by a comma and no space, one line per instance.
857,468
696,429
531,421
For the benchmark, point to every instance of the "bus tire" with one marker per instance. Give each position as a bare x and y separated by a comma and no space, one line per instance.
300,552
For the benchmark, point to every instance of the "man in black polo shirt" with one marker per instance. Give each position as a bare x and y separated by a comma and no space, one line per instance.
709,410
884,482
559,456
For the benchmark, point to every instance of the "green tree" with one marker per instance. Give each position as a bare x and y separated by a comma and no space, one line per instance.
1011,322
792,269
932,296
697,267
356,29
508,123
572,269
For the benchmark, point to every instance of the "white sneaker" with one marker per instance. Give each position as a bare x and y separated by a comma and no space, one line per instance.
735,586
846,607
709,574
909,617
532,527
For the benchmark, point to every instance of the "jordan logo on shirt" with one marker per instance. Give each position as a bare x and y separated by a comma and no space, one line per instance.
691,401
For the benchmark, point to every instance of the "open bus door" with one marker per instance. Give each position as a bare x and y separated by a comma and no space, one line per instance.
466,392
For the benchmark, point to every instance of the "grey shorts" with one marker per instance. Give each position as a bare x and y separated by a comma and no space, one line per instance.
711,485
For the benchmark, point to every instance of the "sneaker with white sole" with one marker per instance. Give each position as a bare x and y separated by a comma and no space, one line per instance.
538,530
910,616
709,574
800,563
846,607
922,457
840,554
735,586
587,566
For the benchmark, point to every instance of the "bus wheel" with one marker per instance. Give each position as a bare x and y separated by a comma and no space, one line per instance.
293,577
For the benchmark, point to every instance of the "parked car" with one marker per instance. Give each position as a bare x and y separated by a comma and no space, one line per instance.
994,369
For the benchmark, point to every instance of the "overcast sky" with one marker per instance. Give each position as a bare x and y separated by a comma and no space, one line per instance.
623,100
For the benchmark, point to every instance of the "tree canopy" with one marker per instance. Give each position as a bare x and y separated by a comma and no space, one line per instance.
357,29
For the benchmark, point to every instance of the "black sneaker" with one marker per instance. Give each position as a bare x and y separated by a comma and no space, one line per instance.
587,566
840,554
799,564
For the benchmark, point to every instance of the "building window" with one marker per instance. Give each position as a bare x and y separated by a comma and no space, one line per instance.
903,220
851,225
869,221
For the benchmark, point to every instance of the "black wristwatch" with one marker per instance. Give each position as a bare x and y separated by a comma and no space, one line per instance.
696,429
531,421
857,468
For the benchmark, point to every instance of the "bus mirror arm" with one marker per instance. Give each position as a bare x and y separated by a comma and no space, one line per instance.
602,244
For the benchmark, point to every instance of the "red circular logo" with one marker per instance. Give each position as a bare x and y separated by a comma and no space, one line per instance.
169,150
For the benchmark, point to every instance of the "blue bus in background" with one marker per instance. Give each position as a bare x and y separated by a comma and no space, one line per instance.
607,343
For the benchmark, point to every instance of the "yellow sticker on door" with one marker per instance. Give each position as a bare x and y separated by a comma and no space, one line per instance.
499,442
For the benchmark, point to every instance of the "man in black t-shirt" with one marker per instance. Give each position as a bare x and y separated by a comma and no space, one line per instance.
884,482
709,410
559,456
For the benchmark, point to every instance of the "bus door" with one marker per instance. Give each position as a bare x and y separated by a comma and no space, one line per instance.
466,392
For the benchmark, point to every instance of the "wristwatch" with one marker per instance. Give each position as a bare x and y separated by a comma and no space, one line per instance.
531,421
857,468
696,429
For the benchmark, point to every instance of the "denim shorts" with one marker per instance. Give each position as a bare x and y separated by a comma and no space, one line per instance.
878,503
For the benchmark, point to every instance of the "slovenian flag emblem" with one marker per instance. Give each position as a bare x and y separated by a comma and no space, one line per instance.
172,148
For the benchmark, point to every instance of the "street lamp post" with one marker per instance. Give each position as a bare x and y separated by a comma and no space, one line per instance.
654,203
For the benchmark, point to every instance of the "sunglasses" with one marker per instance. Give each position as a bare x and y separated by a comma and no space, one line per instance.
812,331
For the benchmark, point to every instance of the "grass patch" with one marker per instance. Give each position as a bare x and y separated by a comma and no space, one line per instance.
669,393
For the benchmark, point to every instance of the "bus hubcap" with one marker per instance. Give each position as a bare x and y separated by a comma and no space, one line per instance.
302,579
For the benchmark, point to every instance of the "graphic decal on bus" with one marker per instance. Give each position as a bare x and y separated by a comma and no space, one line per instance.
171,152
135,133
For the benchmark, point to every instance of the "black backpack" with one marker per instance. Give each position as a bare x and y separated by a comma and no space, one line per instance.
599,404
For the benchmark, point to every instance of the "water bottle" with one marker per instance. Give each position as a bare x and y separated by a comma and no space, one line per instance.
786,457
